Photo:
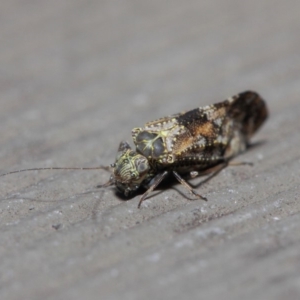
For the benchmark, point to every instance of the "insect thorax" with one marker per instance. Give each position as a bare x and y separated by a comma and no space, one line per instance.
157,140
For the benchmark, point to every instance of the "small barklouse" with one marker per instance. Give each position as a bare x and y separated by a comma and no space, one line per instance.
188,143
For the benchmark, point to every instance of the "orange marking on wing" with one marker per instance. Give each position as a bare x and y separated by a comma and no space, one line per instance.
182,144
207,130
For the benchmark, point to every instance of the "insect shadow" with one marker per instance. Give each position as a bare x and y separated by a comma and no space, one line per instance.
172,183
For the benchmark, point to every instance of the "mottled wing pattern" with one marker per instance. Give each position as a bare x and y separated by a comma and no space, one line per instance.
158,123
203,135
203,127
249,111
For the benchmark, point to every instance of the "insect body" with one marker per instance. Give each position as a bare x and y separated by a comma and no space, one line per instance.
189,142
184,143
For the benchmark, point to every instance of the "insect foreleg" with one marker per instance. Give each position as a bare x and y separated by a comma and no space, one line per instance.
156,181
110,182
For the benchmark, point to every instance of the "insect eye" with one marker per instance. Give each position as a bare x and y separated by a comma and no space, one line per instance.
142,165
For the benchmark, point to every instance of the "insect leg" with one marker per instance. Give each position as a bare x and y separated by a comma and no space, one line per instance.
240,163
187,186
214,171
156,182
110,182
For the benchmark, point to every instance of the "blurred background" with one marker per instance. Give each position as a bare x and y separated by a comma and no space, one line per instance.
75,78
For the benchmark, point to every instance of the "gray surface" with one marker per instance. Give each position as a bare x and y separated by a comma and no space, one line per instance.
75,78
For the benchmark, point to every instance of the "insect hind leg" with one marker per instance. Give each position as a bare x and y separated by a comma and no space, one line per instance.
214,171
240,163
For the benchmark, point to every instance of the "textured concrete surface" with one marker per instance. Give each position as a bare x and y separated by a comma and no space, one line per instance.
75,78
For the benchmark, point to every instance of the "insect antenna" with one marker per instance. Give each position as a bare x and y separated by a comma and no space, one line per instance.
57,168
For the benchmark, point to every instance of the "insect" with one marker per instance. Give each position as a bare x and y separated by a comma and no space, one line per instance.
187,143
